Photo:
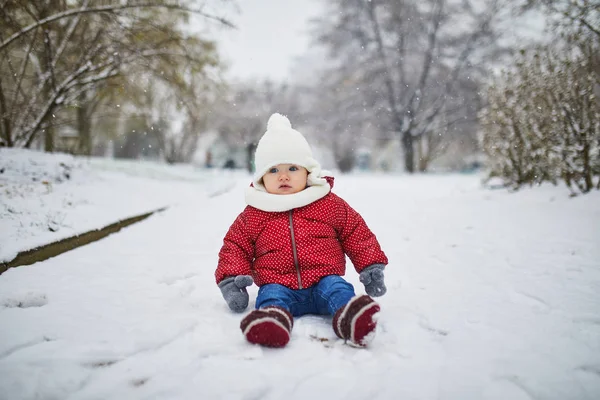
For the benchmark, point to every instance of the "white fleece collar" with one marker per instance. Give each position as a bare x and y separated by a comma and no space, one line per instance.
258,197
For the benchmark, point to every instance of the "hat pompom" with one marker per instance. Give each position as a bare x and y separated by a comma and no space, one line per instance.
281,144
278,121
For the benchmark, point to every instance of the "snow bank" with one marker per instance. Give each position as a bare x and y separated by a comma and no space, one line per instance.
48,197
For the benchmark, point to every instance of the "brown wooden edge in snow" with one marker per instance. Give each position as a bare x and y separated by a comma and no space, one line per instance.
62,246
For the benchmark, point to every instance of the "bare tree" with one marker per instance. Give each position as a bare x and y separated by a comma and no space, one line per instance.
241,115
59,54
341,116
570,17
415,55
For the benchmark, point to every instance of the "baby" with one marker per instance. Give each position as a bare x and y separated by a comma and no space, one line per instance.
291,240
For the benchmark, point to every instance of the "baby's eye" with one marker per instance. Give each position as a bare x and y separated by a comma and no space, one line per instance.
273,170
293,168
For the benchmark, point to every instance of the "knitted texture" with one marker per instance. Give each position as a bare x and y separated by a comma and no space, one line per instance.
372,278
281,144
270,326
355,321
234,291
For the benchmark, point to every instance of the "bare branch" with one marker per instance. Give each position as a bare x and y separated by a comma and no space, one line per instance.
59,91
5,125
69,34
112,8
437,13
389,83
21,75
84,66
589,26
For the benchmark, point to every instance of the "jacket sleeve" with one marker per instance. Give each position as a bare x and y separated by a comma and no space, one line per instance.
358,242
237,253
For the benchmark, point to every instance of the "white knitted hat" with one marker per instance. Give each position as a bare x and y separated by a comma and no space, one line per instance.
283,145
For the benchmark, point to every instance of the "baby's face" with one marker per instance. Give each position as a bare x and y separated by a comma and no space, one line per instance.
285,179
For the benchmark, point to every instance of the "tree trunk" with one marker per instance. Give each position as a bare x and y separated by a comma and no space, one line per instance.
46,62
84,126
5,125
49,139
423,154
587,168
409,152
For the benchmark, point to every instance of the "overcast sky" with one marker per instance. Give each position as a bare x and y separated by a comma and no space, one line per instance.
270,34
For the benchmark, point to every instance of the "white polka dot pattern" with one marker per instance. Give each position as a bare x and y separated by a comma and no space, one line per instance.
259,243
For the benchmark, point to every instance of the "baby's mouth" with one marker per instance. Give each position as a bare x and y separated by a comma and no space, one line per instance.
284,187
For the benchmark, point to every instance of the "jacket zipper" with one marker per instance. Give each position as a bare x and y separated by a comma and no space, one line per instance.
294,251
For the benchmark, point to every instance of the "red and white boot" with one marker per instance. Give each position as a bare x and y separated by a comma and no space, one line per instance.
356,320
270,326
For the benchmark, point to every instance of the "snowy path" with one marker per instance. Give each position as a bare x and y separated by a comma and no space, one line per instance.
491,295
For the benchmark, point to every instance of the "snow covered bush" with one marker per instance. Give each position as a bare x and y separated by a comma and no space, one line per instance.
542,121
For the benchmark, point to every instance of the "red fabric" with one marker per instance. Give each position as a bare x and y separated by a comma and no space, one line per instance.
259,243
269,326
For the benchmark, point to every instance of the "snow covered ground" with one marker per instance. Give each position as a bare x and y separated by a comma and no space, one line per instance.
48,197
491,295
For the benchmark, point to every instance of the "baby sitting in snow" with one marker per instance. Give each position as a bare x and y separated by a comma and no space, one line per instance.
291,240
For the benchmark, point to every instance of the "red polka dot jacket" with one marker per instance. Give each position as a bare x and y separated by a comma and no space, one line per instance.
297,248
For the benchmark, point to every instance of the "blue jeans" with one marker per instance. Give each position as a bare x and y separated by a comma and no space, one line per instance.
324,298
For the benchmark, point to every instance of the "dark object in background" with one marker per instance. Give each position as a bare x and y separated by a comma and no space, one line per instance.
250,150
471,167
229,164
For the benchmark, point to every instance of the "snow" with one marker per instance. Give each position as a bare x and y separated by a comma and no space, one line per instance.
45,198
491,294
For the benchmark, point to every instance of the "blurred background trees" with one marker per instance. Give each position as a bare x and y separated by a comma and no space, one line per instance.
412,67
542,120
240,116
414,85
67,65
